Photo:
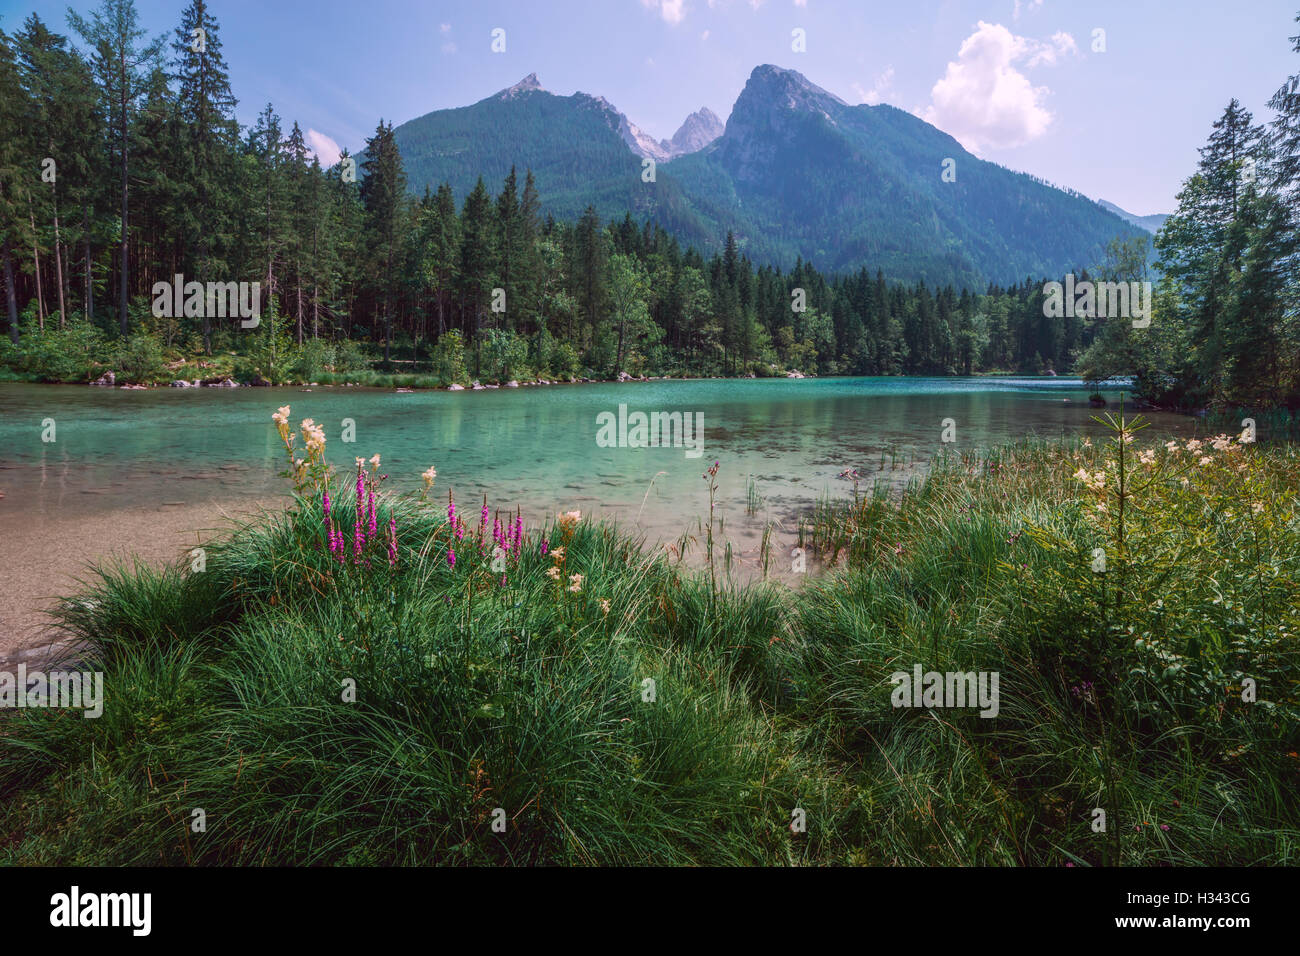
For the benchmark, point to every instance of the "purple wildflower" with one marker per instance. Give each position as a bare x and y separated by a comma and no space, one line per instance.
357,539
370,498
451,558
546,546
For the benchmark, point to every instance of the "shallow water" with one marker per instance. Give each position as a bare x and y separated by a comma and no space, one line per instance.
152,473
535,447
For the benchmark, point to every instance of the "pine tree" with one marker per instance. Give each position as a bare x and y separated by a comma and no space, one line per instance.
1259,243
477,256
591,255
114,35
441,247
1285,132
206,108
383,193
13,170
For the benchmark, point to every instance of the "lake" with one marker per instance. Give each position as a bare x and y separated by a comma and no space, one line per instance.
130,464
532,446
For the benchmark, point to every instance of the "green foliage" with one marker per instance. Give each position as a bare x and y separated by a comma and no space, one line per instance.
504,356
565,361
448,359
59,355
139,360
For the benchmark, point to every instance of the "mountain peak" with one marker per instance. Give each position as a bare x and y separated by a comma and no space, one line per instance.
771,114
793,85
697,131
528,84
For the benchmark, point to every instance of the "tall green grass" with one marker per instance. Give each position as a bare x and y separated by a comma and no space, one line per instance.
683,722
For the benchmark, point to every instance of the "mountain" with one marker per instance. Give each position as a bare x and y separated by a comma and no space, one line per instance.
795,172
800,172
1150,223
699,130
581,149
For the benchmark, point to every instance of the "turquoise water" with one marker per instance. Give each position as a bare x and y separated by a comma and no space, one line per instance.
535,447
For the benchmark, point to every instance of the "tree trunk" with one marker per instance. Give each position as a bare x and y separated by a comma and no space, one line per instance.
58,268
58,255
36,257
315,288
123,292
203,277
90,265
11,297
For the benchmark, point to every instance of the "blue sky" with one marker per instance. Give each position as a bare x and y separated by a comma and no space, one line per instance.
1017,81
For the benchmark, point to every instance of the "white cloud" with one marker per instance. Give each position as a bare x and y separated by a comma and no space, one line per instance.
445,27
1049,52
704,35
984,100
883,87
1023,5
326,150
801,3
673,11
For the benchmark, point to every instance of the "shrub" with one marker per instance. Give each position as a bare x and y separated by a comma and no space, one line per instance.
60,355
448,358
140,360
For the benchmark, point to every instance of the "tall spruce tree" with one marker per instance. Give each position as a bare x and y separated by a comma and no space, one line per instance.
206,107
383,193
122,64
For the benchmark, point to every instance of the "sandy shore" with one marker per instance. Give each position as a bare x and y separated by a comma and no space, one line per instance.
42,557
